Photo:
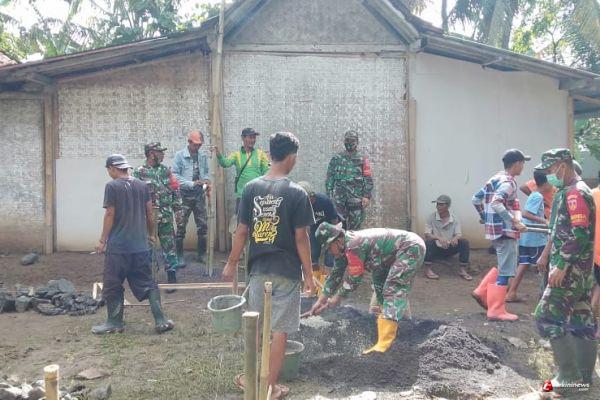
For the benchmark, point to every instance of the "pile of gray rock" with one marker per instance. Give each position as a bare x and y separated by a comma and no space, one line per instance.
11,389
58,297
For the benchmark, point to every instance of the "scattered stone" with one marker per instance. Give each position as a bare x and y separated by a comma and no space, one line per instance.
515,341
545,344
101,393
37,393
30,258
7,301
10,393
22,303
91,373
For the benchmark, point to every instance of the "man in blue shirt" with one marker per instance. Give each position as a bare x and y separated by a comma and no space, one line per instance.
531,244
190,167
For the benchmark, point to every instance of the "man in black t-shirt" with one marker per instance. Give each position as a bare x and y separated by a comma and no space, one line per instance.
125,234
276,214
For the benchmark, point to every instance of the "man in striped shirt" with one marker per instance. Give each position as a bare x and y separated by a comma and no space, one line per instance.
498,208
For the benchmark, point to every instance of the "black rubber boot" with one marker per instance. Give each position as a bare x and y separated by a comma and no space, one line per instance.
114,319
565,359
201,248
180,254
586,352
171,278
162,324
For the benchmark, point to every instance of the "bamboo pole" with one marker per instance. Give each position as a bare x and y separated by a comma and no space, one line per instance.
266,344
51,378
196,286
250,354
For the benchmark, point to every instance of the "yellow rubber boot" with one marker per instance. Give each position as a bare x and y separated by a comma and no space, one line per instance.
386,333
322,278
317,278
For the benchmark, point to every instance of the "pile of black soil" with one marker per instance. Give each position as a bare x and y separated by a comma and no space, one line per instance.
441,360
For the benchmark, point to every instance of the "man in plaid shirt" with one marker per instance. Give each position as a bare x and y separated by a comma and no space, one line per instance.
498,208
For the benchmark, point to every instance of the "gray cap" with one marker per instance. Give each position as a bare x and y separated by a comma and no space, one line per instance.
117,161
443,198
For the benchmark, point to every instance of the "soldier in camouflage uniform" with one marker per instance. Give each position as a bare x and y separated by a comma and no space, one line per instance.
165,199
564,314
391,256
349,182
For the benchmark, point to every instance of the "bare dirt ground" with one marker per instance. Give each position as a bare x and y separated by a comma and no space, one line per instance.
192,362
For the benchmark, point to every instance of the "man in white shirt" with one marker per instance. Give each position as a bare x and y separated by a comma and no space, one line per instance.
443,238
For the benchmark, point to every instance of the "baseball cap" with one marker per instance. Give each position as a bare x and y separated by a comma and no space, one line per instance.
118,161
552,156
514,155
154,146
351,135
249,132
195,137
443,198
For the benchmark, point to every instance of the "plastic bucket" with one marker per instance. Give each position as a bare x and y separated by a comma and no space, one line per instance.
291,362
226,313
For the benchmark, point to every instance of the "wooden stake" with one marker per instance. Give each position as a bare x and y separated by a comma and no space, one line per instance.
51,377
250,354
196,286
266,344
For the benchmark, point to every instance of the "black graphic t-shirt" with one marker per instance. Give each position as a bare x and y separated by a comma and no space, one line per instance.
324,210
273,210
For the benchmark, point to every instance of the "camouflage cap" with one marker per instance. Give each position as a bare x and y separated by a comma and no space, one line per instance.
327,233
551,157
154,146
351,135
308,188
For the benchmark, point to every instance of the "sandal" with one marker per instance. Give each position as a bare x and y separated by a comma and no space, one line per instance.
431,275
516,299
164,327
465,275
238,381
283,391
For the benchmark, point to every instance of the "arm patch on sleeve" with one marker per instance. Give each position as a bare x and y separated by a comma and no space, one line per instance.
366,167
356,266
578,209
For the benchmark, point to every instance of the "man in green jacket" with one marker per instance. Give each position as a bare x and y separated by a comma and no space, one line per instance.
250,163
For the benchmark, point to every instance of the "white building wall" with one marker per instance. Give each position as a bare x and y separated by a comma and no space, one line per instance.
119,112
21,175
319,98
466,117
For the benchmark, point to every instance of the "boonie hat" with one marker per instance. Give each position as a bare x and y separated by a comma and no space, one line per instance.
514,155
154,146
443,198
351,135
551,157
249,132
118,161
327,233
308,188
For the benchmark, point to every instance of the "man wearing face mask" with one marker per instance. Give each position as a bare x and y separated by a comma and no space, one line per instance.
165,200
498,208
564,313
350,183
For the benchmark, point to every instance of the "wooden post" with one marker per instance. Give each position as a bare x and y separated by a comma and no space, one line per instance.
412,169
570,124
51,377
266,344
250,354
50,104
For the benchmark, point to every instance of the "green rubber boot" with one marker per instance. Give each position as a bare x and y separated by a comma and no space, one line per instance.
201,249
162,324
180,254
586,352
114,319
565,359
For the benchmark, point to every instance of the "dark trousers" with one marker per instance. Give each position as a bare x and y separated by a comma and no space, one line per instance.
135,267
433,251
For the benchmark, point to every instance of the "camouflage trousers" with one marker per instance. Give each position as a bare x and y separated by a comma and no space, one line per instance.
166,236
353,216
196,205
393,285
567,308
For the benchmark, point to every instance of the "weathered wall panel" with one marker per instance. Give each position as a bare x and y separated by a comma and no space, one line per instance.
319,98
21,175
119,112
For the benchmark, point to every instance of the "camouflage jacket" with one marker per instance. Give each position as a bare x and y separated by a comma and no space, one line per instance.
573,228
349,175
368,250
163,196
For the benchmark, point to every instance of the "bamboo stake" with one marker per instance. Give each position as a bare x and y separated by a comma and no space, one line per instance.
51,377
266,344
250,354
196,286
